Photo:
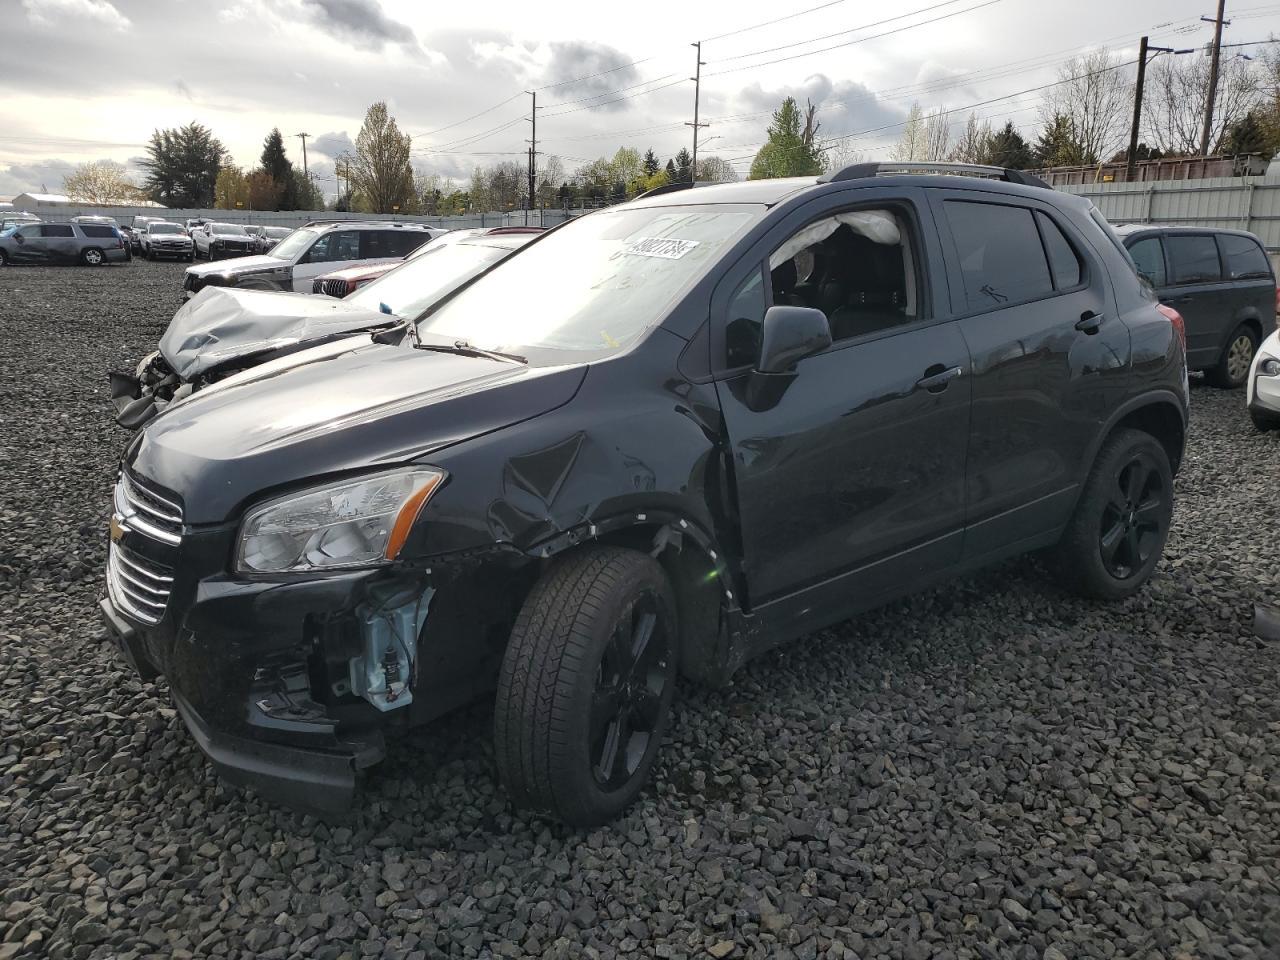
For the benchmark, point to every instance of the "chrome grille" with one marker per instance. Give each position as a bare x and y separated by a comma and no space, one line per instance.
139,588
138,508
333,288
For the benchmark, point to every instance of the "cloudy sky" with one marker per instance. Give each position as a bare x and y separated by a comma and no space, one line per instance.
90,79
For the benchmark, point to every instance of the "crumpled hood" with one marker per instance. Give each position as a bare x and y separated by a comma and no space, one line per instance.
221,324
370,268
359,407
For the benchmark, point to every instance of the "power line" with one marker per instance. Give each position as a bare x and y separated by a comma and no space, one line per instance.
769,23
840,33
850,43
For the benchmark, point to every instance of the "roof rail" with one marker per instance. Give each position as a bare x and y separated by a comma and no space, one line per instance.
859,171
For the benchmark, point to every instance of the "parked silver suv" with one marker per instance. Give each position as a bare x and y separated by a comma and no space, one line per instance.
89,243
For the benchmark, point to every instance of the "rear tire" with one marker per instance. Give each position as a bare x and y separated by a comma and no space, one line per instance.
1232,368
586,685
1121,522
92,257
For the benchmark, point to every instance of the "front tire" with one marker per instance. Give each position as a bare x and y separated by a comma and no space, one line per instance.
92,257
1118,531
1264,421
1232,368
586,685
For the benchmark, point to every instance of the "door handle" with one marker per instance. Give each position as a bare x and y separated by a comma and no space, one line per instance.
1089,322
936,379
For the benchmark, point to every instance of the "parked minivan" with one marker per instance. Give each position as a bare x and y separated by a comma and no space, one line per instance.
661,439
1222,283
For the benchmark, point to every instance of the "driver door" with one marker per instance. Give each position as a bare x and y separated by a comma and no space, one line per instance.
852,484
29,246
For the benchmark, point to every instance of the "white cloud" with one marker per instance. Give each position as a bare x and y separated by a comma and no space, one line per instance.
62,13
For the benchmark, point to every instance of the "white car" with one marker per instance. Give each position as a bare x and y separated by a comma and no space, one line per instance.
1263,385
216,241
319,247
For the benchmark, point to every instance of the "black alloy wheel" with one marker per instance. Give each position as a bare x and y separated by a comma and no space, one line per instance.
586,684
628,702
1130,529
1116,535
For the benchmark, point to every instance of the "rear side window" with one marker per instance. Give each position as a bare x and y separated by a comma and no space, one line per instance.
1001,257
1149,259
1064,262
387,244
1244,258
1193,259
98,231
57,230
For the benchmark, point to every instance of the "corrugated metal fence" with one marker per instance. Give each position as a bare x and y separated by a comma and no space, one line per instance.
1237,203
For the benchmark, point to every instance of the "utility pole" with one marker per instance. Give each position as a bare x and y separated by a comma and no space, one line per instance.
1213,77
1131,163
304,136
697,90
533,148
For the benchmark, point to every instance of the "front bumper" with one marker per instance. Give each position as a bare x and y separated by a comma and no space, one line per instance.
242,659
1264,394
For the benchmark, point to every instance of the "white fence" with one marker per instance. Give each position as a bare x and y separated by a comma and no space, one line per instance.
296,218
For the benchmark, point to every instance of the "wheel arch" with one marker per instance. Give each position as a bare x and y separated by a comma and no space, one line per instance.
1158,413
697,569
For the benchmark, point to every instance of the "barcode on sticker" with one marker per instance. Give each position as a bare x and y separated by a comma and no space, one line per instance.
667,248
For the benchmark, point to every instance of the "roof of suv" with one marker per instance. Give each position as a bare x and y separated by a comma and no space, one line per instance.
919,174
367,225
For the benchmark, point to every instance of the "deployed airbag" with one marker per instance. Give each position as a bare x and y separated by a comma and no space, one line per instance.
878,226
220,324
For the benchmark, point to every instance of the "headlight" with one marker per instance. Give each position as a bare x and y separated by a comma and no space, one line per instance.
359,523
1269,367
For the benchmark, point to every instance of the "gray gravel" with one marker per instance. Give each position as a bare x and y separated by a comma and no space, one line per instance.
988,770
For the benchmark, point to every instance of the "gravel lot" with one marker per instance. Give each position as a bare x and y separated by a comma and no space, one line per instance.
990,769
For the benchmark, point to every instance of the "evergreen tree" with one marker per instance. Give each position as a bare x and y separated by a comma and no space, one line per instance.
671,171
278,168
651,165
182,166
1058,145
1008,149
683,167
1248,135
792,149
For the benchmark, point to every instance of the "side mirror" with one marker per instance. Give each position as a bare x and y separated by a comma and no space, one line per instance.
789,335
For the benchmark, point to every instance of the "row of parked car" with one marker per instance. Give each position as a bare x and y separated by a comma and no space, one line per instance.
657,440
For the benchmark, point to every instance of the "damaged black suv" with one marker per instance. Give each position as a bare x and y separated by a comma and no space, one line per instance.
659,440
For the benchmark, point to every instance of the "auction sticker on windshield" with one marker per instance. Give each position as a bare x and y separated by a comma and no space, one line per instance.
668,248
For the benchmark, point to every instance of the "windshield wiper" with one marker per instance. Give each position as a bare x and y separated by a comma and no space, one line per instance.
466,349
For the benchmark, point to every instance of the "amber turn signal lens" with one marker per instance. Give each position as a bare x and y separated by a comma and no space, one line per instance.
409,514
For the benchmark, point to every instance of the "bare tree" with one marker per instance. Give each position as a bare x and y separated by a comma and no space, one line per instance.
716,170
1176,90
937,134
912,144
1096,97
101,182
974,143
841,154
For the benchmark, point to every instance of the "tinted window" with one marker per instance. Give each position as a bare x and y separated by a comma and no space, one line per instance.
57,230
1244,258
1148,257
1192,259
378,244
1063,260
746,319
1001,257
98,231
338,245
29,231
